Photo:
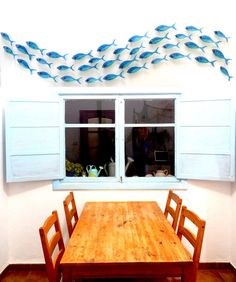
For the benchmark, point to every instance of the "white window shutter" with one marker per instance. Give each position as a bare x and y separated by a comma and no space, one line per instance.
34,140
206,139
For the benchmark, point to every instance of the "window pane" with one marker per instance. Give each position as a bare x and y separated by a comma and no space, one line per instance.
90,146
149,149
149,111
90,111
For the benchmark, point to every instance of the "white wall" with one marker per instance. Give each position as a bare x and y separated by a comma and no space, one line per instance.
78,26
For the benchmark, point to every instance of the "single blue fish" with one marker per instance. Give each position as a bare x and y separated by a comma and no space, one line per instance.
136,49
87,67
221,35
193,28
112,76
43,62
220,55
162,28
177,56
135,69
158,60
208,39
170,45
25,65
109,63
80,56
55,55
93,79
6,37
69,78
95,60
158,39
65,68
137,38
23,50
148,54
192,45
9,51
183,36
204,60
46,75
34,46
118,51
126,63
225,72
104,47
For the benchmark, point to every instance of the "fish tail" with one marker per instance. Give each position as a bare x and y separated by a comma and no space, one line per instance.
11,42
32,70
227,60
165,58
96,66
135,58
100,79
126,47
141,46
229,77
72,68
190,36
146,35
54,78
31,56
145,66
50,65
122,74
227,38
173,26
78,80
166,36
188,56
200,29
90,53
177,45
64,57
41,50
156,51
213,62
202,48
217,43
113,42
118,58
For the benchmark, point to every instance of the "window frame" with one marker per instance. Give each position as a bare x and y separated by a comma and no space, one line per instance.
121,181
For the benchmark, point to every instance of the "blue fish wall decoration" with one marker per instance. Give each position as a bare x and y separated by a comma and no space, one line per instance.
148,54
104,47
170,45
193,28
55,55
208,39
24,51
204,60
137,38
220,34
109,63
225,72
34,46
95,60
65,68
6,37
25,65
43,62
9,51
46,75
112,76
126,63
69,78
135,69
136,49
220,55
183,36
158,39
118,51
90,80
158,60
87,67
192,45
162,28
80,56
177,56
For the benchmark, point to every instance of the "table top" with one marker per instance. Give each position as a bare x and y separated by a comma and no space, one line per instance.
121,232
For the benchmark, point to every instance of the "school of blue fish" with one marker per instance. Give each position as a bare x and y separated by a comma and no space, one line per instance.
109,61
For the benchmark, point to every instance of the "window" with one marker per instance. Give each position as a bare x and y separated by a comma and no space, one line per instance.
120,137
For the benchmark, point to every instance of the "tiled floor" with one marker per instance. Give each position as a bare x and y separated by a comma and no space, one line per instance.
221,275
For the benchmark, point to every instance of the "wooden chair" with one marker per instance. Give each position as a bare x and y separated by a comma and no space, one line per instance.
53,246
171,210
195,239
70,212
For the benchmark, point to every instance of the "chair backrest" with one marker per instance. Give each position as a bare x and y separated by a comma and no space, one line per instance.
172,208
53,246
70,212
194,238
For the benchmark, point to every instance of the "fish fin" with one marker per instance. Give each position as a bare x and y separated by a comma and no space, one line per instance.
145,66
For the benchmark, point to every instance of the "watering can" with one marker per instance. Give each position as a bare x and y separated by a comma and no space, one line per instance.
92,170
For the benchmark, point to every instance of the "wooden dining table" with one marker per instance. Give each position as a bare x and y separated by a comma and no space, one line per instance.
124,240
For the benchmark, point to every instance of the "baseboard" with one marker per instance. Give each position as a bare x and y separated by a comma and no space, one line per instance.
217,265
41,267
22,267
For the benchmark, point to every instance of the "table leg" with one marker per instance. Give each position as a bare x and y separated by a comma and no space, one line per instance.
66,275
188,274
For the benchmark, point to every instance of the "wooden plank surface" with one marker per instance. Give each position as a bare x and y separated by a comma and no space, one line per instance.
123,232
